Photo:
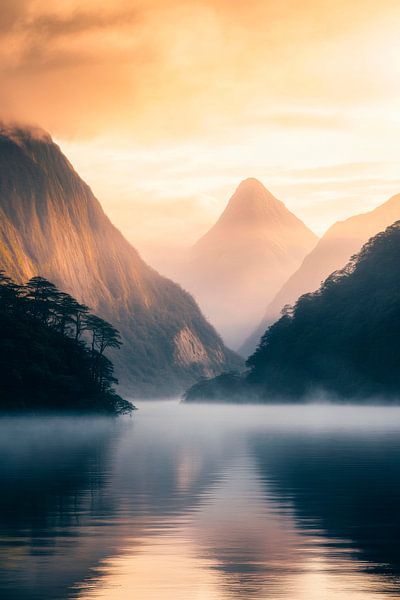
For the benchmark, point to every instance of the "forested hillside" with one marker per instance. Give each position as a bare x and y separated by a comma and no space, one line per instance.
332,252
341,341
52,351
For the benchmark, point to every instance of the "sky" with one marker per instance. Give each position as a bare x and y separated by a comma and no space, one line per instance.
163,107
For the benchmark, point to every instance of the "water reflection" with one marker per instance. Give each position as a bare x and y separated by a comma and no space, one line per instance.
202,502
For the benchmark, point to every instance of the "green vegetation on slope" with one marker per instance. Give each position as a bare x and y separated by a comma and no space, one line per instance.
44,361
342,340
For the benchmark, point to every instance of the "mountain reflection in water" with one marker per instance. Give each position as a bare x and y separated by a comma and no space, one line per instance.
202,502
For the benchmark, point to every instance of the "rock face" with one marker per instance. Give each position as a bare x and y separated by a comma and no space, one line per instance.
331,253
53,226
237,267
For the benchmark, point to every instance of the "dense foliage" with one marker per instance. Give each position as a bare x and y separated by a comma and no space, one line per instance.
227,387
342,340
52,351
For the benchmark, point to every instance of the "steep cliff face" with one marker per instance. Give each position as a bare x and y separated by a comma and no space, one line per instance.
52,225
331,253
237,267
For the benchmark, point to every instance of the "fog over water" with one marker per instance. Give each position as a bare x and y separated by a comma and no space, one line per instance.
202,502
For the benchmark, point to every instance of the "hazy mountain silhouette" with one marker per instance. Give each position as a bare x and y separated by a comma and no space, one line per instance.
333,250
240,263
52,225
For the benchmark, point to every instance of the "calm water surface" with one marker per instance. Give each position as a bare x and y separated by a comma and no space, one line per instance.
202,503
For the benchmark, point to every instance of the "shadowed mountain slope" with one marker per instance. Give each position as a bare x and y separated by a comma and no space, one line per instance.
343,338
241,262
340,341
52,225
333,250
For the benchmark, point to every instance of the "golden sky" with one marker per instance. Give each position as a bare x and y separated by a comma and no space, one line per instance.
164,106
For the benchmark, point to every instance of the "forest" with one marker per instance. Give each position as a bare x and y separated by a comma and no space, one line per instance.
340,342
52,351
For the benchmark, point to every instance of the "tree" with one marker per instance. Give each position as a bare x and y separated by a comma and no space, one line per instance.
103,336
342,338
70,315
105,374
10,293
44,363
43,295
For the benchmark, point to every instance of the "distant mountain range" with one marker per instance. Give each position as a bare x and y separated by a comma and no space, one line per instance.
238,266
332,251
341,341
52,225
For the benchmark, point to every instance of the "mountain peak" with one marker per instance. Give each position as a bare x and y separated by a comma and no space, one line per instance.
252,192
52,225
252,184
242,261
22,132
251,203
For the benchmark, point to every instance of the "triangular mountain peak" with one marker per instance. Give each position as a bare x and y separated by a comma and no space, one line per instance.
253,190
241,262
251,201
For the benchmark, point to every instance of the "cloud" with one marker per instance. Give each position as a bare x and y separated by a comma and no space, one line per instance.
11,13
53,25
204,93
173,69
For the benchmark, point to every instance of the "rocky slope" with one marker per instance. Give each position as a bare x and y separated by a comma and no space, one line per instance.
52,225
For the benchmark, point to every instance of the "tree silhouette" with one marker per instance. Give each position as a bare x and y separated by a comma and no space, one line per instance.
71,315
44,359
10,293
103,336
342,338
43,296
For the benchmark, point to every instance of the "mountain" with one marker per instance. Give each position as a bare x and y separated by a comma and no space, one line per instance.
341,341
52,225
241,262
333,250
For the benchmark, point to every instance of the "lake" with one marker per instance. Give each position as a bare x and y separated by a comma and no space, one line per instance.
186,502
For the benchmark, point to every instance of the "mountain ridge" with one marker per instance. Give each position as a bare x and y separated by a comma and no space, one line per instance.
52,225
